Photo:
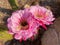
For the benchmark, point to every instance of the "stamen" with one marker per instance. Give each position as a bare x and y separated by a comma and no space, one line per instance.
24,23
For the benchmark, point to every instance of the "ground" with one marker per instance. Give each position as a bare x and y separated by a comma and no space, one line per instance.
5,11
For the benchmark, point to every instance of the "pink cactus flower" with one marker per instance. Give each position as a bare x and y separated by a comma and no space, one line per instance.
42,15
22,25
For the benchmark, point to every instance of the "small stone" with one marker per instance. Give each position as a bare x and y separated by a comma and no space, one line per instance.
5,4
50,37
57,24
0,2
59,38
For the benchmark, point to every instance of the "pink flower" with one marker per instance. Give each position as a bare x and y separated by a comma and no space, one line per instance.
22,25
42,15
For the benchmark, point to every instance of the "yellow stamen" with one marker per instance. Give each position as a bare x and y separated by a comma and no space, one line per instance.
39,16
18,28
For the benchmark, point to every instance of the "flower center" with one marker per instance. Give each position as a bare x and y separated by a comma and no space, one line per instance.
24,25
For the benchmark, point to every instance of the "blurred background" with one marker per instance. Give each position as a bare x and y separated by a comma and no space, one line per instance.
50,37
